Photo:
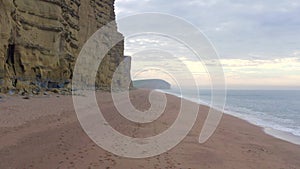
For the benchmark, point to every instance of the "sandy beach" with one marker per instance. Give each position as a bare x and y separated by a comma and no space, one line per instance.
44,132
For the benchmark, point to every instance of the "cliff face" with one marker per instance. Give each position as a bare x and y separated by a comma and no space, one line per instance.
40,41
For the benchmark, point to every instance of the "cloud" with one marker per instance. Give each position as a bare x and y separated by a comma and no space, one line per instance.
284,72
258,41
269,28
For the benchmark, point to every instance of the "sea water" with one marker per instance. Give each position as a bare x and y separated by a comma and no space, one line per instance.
277,111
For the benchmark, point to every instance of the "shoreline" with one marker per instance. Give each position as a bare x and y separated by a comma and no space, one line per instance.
286,136
48,132
278,134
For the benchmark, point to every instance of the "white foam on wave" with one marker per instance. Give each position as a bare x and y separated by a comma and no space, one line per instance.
265,120
283,135
271,125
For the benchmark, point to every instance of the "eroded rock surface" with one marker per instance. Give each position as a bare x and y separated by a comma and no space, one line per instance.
41,39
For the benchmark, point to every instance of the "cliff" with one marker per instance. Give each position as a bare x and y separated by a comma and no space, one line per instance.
40,41
151,84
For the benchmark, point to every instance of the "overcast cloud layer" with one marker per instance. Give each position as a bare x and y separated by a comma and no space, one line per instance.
248,28
258,40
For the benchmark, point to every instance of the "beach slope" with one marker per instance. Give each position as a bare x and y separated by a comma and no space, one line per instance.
45,133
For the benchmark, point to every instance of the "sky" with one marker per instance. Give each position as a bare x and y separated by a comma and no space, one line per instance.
258,42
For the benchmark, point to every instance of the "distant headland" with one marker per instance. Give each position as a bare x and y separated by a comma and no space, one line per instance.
151,84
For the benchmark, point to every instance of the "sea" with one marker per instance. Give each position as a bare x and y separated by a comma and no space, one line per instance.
276,111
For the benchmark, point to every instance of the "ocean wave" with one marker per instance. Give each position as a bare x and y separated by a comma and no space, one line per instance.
259,118
265,120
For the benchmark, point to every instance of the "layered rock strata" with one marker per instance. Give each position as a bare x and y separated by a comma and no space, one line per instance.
41,39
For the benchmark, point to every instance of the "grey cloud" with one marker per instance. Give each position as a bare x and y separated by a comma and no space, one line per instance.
269,28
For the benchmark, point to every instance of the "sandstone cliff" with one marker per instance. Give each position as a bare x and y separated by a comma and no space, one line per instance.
40,40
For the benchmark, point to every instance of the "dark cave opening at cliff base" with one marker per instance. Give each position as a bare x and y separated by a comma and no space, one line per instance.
11,54
10,60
